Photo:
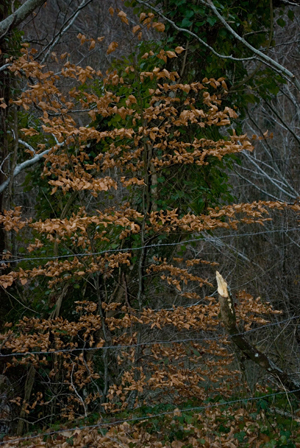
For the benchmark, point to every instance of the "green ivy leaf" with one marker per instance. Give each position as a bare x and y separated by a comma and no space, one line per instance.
186,23
281,22
211,20
189,14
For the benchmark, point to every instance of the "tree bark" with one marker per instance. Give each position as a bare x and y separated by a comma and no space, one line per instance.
28,389
5,90
18,16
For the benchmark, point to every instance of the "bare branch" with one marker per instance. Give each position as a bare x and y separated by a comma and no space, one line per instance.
290,3
22,166
27,146
184,30
267,193
4,67
65,28
275,182
19,15
260,56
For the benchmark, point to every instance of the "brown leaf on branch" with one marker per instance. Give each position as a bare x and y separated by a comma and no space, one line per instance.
158,26
112,47
123,17
136,28
179,50
92,44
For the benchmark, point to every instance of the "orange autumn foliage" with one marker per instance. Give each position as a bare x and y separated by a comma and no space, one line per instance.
119,350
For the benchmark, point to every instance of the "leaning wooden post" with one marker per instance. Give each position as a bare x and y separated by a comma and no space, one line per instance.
248,350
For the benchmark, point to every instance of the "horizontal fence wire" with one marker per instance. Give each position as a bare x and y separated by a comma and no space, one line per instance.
148,417
124,346
130,249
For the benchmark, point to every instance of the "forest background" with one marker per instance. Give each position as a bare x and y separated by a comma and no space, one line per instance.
145,145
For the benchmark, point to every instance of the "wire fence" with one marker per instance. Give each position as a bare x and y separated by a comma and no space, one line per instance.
149,246
149,417
144,344
137,419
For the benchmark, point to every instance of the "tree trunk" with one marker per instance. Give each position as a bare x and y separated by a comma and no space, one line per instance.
28,388
248,350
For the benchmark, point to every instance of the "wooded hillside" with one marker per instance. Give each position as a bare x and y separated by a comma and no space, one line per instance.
149,212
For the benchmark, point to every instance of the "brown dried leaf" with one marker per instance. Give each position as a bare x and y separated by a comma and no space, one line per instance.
136,28
171,54
112,47
123,17
158,26
179,50
92,45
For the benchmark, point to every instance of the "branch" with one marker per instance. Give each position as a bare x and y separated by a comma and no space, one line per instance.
260,56
64,28
249,351
22,167
247,179
273,181
283,122
4,67
31,149
228,249
19,15
290,3
184,30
